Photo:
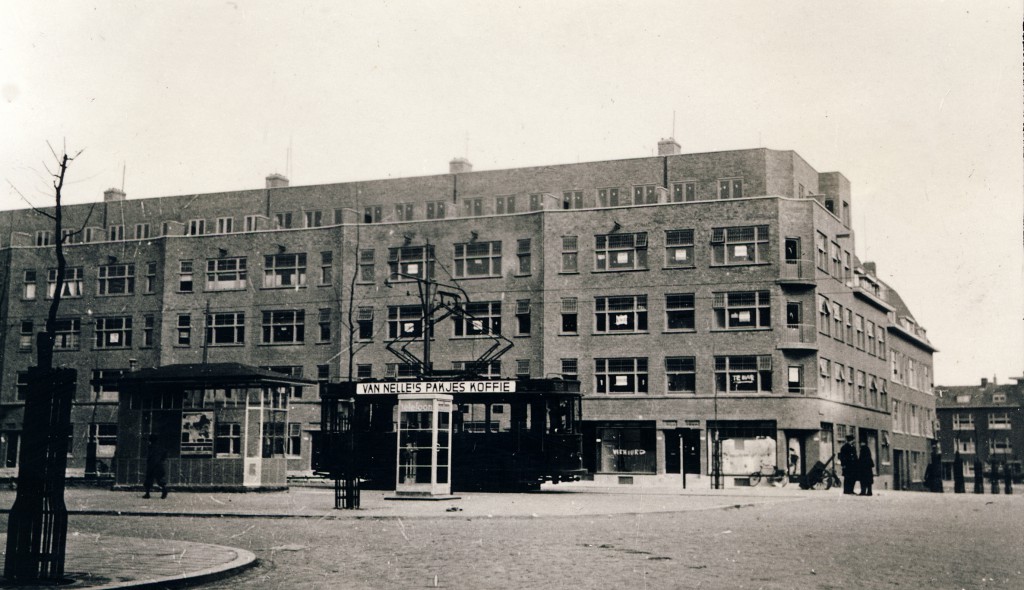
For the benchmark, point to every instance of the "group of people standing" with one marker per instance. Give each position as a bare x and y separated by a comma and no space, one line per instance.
857,467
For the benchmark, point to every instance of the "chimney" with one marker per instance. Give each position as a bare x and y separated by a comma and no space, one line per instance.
459,165
276,180
870,268
984,381
668,147
113,194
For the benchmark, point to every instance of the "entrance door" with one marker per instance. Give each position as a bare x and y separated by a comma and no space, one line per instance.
673,451
897,470
691,451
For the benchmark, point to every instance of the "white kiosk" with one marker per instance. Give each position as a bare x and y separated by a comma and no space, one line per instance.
424,445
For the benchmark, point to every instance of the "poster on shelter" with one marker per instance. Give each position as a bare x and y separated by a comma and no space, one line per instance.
743,456
196,434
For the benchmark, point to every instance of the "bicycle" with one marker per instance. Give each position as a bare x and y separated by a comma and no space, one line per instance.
822,477
773,474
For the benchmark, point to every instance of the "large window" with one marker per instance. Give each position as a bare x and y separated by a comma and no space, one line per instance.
116,279
740,245
621,251
72,282
679,248
679,314
225,328
741,310
478,259
620,314
620,375
284,270
681,374
405,321
68,334
743,373
410,261
482,318
114,332
226,274
284,327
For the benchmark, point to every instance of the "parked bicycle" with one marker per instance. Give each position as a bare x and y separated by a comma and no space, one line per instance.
771,473
821,477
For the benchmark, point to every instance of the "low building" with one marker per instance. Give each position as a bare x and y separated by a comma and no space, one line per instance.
982,423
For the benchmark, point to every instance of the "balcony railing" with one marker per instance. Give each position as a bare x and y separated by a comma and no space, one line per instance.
797,272
799,337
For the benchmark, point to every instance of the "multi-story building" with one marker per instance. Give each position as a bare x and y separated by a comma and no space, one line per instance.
984,423
694,296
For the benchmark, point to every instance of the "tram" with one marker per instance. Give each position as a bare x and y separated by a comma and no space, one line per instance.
502,441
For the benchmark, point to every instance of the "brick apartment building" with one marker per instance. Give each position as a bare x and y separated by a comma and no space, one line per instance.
692,295
983,422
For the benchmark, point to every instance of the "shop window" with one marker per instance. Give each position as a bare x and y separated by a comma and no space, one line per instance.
628,450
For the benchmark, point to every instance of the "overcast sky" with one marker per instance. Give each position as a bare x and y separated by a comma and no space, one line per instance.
917,103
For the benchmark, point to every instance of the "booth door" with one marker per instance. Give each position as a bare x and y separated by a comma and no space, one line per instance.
253,460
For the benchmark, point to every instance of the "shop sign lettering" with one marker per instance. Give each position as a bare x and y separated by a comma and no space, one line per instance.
397,387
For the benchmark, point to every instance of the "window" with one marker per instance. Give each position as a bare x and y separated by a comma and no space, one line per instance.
740,245
679,248
999,421
313,218
405,321
226,274
824,315
44,238
25,336
478,259
607,197
524,256
184,330
115,233
743,373
284,327
68,334
407,262
964,445
523,324
684,191
792,250
104,384
149,281
141,231
858,325
681,374
837,321
569,315
505,204
824,377
473,207
284,270
880,330
225,225
372,214
366,266
185,281
869,328
283,220
570,254
740,310
364,371
324,322
228,440
536,201
435,210
364,323
645,195
621,251
326,267
105,436
963,421
1000,446
72,288
730,188
570,369
291,371
620,375
404,211
196,227
114,332
523,368
679,314
225,328
490,370
293,444
572,200
795,379
849,327
837,260
21,386
620,314
29,289
250,223
481,318
116,279
821,243
998,398
148,326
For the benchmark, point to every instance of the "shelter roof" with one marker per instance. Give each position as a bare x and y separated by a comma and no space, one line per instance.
220,374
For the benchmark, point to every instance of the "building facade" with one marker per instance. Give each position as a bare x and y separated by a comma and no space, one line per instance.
983,423
696,297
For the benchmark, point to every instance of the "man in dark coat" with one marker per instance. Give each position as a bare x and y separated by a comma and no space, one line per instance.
155,466
848,459
866,470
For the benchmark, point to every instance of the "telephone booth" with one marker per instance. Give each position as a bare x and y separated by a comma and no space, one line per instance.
424,446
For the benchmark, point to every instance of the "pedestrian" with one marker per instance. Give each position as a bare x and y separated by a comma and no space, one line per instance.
155,466
794,461
848,460
866,470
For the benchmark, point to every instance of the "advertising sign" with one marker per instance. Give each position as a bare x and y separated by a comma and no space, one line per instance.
196,434
397,387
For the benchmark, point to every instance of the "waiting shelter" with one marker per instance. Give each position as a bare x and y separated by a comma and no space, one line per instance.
223,425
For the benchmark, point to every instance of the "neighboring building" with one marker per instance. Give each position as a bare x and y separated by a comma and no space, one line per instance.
983,422
692,295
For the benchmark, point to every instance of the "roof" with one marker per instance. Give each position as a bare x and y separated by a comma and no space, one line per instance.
224,374
979,396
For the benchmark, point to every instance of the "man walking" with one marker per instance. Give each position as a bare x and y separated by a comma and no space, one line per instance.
848,459
155,466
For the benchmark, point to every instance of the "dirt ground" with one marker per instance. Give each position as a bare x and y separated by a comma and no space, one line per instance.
891,540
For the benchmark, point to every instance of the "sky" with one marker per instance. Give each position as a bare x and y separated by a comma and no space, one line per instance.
917,103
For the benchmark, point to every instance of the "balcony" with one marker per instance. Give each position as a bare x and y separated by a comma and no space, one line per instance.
797,273
799,338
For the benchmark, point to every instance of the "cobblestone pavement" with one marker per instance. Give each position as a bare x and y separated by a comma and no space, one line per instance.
758,539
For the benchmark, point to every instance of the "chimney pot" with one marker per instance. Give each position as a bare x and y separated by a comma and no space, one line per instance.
113,194
459,165
668,147
276,180
984,381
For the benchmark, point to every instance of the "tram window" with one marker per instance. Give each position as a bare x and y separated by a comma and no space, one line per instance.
475,419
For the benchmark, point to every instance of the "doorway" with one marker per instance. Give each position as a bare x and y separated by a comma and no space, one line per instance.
682,452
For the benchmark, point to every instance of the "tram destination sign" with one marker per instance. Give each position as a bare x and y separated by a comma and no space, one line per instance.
396,387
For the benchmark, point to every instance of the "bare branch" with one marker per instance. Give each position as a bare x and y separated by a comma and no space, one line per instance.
52,151
29,203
